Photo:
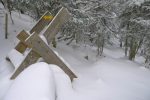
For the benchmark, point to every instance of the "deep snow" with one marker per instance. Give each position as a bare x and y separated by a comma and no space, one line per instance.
35,83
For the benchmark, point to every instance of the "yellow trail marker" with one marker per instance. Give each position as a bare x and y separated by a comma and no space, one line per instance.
48,17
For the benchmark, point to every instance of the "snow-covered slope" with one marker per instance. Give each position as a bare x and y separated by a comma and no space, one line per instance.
105,78
108,78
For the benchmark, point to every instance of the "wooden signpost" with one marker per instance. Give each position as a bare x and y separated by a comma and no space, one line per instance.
38,48
40,25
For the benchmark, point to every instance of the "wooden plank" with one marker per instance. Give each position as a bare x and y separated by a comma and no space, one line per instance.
31,58
43,21
21,47
39,46
61,17
40,25
23,35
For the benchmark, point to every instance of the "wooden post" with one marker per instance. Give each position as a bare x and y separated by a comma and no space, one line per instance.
39,46
31,58
61,17
42,22
6,26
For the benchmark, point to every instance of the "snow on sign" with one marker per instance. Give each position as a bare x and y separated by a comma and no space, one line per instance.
38,47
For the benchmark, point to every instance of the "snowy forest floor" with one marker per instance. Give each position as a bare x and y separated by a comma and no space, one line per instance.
110,77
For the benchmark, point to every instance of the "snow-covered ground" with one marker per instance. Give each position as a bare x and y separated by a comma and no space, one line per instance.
111,77
20,22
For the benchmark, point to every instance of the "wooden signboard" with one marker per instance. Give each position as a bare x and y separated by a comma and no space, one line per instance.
38,47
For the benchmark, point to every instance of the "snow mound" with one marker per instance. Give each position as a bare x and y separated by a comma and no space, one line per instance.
63,83
34,83
15,57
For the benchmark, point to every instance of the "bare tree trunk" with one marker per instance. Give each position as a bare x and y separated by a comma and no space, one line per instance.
98,44
130,49
6,17
146,59
121,43
133,48
139,44
102,47
126,46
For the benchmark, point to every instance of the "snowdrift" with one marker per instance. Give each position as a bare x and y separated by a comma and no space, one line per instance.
35,83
